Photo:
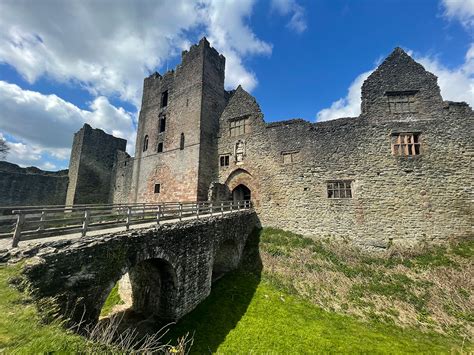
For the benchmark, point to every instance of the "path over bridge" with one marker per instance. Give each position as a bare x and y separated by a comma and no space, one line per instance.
171,267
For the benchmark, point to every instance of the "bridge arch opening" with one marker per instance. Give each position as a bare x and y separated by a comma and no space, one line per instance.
153,288
226,258
149,288
241,193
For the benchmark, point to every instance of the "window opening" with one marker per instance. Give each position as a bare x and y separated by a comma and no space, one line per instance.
224,160
181,142
406,144
145,143
160,148
164,98
339,189
239,127
162,127
157,188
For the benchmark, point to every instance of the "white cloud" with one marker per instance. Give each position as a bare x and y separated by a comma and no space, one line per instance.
348,106
109,46
46,123
462,10
456,85
297,22
228,32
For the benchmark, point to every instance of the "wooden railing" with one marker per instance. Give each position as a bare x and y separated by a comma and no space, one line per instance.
48,221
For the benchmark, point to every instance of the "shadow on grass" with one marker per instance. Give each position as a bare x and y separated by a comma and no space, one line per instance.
230,297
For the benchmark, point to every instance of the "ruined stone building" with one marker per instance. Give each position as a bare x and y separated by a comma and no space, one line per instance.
400,172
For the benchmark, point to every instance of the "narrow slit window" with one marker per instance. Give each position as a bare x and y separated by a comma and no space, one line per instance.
339,189
157,188
406,144
164,98
159,149
181,142
145,143
162,124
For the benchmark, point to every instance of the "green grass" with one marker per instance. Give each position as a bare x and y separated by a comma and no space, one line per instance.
112,300
244,315
21,330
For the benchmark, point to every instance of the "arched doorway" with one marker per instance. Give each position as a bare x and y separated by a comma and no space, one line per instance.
241,193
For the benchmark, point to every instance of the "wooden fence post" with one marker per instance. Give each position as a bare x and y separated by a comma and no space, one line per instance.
129,216
211,207
158,215
42,219
19,225
197,210
222,208
85,223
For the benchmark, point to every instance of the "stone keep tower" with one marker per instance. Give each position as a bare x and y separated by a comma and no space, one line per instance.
93,155
176,147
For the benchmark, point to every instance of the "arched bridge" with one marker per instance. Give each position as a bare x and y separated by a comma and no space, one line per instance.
171,267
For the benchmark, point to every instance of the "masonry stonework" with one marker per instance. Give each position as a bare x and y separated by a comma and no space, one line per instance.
287,167
31,186
93,156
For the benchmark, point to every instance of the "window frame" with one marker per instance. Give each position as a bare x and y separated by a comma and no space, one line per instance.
224,160
239,126
402,102
339,189
157,190
406,144
292,154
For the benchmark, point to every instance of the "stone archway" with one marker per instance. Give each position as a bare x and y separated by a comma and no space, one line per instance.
153,288
242,185
241,193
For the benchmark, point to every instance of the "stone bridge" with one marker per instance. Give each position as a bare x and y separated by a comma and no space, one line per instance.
170,267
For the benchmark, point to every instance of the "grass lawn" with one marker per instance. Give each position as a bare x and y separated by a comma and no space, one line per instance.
21,331
246,315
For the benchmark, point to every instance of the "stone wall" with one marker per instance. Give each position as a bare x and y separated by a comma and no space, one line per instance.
394,199
171,267
31,186
93,155
195,99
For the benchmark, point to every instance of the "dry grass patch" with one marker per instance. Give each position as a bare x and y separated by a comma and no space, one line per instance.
429,288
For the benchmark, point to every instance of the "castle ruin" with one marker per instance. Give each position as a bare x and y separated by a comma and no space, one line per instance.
400,172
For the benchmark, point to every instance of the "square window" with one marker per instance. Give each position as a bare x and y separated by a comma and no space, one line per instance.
406,144
290,157
339,189
157,188
224,160
239,127
401,101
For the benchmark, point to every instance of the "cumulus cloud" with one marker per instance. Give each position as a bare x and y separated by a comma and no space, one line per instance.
109,46
461,10
46,123
456,85
228,31
297,22
348,106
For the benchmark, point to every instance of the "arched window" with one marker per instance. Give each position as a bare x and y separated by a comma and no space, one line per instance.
145,143
181,143
160,147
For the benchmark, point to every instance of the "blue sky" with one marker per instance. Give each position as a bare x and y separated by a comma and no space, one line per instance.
66,63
